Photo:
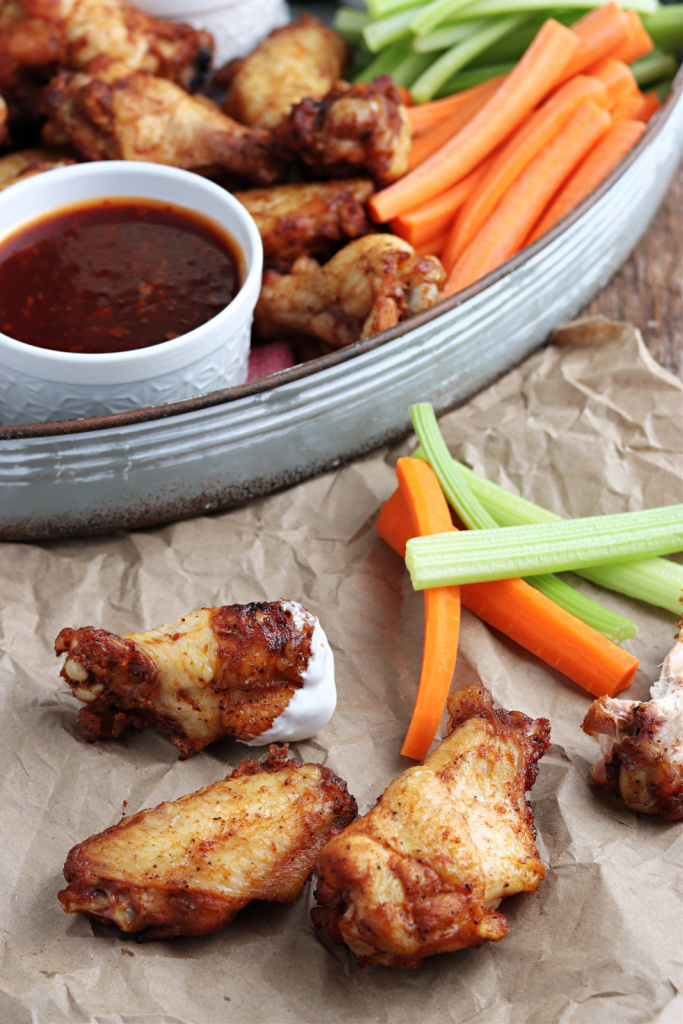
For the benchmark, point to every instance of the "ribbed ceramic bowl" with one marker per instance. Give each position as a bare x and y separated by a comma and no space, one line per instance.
175,461
38,384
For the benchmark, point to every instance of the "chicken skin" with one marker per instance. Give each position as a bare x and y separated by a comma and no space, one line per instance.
26,162
188,867
352,130
642,743
308,219
371,284
256,672
4,117
423,871
300,60
109,113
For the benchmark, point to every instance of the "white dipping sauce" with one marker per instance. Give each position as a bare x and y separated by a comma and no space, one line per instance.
311,706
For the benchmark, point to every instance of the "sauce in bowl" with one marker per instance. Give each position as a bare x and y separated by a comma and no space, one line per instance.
113,275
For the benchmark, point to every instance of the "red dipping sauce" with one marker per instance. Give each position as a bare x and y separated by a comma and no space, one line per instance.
114,275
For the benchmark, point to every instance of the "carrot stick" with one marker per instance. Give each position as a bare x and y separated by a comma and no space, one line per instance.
536,132
617,78
431,141
433,246
532,620
600,32
593,170
425,116
506,229
436,216
637,43
628,108
649,106
427,512
522,89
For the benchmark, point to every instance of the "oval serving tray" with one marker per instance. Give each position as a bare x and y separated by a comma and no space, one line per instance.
174,461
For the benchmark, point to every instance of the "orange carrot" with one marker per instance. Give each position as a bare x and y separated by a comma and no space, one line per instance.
592,171
432,140
522,89
428,512
436,216
628,108
600,32
425,116
531,619
617,78
433,246
536,132
506,229
649,106
638,42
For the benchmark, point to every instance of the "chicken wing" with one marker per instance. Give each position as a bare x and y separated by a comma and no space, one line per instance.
4,133
258,672
352,130
371,284
26,162
308,219
29,52
642,743
107,113
300,60
422,872
188,867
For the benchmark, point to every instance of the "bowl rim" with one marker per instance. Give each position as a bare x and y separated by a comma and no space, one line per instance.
52,364
301,371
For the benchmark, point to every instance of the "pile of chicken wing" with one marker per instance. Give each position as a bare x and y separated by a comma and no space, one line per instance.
302,148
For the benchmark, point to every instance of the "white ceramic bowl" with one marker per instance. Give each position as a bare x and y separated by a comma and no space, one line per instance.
39,385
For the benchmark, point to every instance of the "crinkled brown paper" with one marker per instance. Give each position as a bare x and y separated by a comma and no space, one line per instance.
589,424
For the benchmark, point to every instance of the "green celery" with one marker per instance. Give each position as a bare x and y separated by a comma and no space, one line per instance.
665,26
472,76
434,14
654,67
491,8
476,556
411,67
443,38
384,31
380,8
459,56
349,23
386,61
472,512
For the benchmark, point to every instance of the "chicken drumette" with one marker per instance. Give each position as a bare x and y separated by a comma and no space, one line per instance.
371,284
642,743
110,113
27,162
229,671
423,871
308,219
187,867
295,62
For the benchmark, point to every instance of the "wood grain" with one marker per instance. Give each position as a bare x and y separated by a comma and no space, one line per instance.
648,290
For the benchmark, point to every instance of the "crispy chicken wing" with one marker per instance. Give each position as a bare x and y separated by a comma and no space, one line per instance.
257,672
29,52
27,162
308,219
642,743
4,133
187,867
353,129
422,872
369,285
107,113
300,60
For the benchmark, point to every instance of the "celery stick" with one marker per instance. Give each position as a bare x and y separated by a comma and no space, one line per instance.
654,67
473,76
434,14
490,8
443,38
384,31
657,581
476,556
665,26
458,57
411,67
380,8
385,62
349,23
462,498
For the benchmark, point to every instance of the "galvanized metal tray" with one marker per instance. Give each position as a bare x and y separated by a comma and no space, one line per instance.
174,461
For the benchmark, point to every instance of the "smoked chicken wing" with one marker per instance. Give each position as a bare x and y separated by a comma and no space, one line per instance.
27,162
642,743
352,130
108,113
187,867
308,219
371,284
423,871
300,60
258,672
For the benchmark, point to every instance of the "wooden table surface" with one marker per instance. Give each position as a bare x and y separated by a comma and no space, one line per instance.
648,290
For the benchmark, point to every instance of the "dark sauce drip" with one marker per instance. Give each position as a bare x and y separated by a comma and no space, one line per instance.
114,275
